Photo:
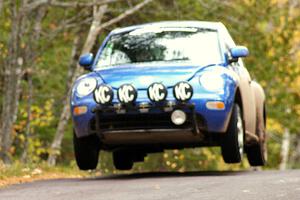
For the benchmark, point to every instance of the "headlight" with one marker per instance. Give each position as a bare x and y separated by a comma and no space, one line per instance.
212,81
85,86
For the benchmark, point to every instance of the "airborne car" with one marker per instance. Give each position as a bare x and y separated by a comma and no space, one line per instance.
167,85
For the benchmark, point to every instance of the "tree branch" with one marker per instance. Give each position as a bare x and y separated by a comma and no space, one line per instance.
123,15
75,4
80,4
92,35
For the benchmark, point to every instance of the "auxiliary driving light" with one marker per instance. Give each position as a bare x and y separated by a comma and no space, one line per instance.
103,94
127,94
157,92
178,117
183,91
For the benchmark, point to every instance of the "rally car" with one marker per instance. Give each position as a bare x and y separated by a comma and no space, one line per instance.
167,85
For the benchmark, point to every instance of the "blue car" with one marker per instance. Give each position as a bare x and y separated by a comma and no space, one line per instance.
167,85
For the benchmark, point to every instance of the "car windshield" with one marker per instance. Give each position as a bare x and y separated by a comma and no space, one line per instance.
147,45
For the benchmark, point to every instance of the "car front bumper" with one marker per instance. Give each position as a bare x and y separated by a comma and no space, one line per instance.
150,123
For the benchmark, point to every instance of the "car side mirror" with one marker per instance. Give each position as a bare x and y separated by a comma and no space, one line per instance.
86,61
239,51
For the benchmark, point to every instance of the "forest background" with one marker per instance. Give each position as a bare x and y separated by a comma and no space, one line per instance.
41,41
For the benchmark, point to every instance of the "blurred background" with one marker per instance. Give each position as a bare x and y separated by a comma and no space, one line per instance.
41,41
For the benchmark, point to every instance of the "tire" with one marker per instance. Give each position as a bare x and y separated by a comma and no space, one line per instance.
123,160
86,151
257,153
232,142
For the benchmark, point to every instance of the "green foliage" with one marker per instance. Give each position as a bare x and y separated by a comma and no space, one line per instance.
40,129
187,160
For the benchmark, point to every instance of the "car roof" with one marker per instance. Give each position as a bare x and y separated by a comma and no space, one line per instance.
178,24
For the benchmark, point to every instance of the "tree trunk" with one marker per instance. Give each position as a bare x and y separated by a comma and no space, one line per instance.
285,149
65,113
31,54
295,157
24,157
72,75
92,35
18,57
1,6
11,85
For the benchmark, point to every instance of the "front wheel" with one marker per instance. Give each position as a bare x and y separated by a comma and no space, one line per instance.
86,151
232,142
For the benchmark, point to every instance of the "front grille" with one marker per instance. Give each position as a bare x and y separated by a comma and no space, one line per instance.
138,121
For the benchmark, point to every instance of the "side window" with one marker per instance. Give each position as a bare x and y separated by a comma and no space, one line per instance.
229,43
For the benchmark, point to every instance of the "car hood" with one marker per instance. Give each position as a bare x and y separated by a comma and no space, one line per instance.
142,75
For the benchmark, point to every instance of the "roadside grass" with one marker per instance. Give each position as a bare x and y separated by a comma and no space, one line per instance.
20,173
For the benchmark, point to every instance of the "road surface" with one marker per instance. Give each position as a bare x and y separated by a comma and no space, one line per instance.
258,185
